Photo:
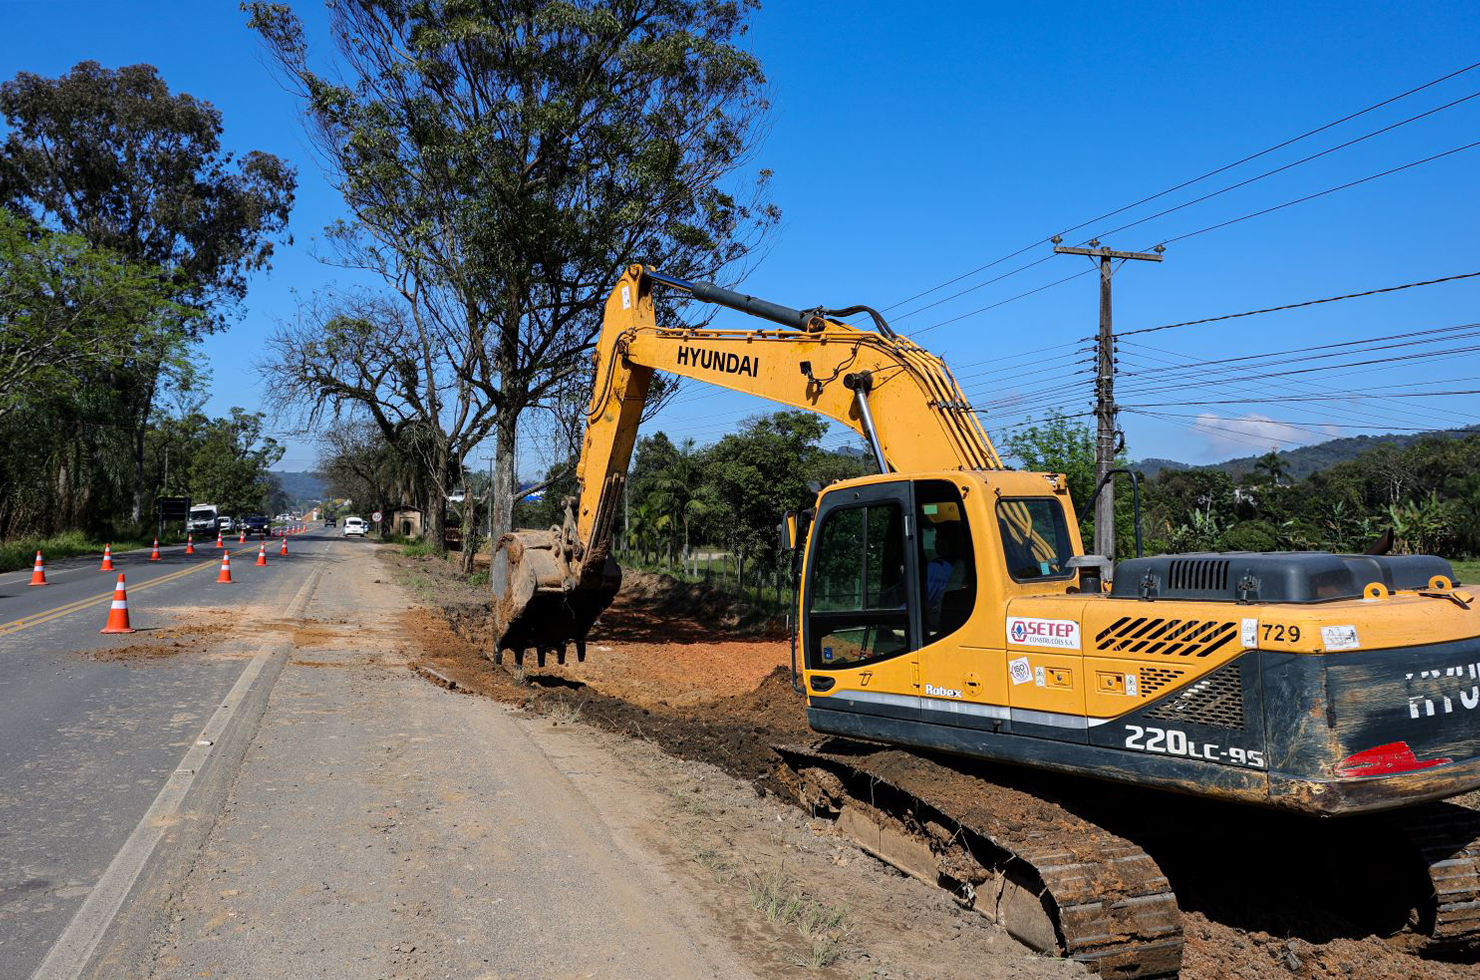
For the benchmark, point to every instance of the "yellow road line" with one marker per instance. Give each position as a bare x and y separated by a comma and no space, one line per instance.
15,626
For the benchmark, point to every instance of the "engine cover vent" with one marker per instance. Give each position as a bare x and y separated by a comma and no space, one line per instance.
1243,576
1198,575
1154,635
1216,700
1153,679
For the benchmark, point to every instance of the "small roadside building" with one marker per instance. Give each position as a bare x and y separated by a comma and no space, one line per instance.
405,521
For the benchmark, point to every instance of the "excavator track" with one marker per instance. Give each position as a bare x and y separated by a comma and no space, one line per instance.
1055,881
1447,839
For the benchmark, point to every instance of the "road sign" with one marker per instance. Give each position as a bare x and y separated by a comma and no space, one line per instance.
376,517
174,508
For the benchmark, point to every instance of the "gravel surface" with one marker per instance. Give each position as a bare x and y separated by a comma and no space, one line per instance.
383,827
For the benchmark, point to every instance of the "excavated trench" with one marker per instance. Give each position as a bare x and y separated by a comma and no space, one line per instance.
1260,894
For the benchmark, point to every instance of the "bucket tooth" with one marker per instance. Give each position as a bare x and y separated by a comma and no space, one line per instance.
539,656
560,655
581,650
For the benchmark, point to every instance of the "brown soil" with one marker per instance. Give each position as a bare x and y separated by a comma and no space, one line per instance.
160,644
672,678
210,626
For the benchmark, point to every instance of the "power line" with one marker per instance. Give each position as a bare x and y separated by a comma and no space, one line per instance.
1317,398
1010,299
1303,425
1154,388
1188,183
1293,306
1352,412
1408,338
1217,226
1319,194
1237,435
1289,166
1012,357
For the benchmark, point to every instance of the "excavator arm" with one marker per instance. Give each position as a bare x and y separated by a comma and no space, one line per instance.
549,586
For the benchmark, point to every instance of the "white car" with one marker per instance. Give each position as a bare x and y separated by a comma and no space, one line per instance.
355,525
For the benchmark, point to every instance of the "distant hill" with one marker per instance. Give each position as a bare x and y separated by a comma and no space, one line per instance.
1302,462
1153,466
301,485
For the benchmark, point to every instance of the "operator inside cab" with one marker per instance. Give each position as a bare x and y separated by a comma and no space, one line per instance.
949,581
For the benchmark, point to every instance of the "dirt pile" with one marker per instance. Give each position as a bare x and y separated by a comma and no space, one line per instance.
733,731
665,596
681,681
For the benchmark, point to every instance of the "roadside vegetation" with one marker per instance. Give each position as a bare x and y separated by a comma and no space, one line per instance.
1427,495
127,235
20,553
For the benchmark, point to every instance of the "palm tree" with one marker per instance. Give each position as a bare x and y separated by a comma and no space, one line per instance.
1272,467
677,492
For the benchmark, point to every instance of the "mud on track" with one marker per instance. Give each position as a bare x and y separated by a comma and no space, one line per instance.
1254,904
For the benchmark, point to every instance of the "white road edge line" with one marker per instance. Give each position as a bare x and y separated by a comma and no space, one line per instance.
74,948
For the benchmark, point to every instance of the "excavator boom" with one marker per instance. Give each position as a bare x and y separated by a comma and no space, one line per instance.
549,586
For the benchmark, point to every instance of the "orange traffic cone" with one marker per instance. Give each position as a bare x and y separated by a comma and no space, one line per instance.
225,575
243,538
107,558
283,551
219,542
189,544
118,614
38,574
155,556
262,553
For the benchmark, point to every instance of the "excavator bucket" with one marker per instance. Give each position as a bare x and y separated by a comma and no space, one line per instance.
544,598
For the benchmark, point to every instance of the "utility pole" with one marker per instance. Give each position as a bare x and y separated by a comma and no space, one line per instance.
1105,411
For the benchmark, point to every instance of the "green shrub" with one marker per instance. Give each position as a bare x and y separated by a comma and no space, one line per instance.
1251,536
21,552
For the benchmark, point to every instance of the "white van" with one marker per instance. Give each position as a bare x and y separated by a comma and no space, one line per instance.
202,519
355,525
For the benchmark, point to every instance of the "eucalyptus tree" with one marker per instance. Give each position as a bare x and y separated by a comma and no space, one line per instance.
117,158
502,161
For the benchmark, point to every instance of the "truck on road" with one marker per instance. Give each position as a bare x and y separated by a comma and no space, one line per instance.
202,519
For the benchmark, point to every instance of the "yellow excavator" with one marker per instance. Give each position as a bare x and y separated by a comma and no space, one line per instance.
945,606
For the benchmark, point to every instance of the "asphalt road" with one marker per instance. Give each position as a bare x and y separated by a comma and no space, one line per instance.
87,744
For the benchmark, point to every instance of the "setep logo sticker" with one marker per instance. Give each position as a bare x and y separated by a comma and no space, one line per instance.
1063,634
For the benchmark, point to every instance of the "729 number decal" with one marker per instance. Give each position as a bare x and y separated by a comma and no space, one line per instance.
1169,741
1279,633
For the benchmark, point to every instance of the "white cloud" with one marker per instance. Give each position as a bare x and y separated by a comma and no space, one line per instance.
1253,433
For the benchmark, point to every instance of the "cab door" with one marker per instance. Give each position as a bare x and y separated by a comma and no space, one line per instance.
861,629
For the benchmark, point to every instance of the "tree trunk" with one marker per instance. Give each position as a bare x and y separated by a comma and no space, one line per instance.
505,476
136,512
469,533
436,507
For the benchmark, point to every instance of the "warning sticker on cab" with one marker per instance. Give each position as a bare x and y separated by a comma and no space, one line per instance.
1340,638
1062,634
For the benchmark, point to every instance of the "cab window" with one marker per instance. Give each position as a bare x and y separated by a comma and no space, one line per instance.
948,567
1035,538
858,609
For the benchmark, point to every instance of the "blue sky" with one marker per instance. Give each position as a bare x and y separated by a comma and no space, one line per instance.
910,149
